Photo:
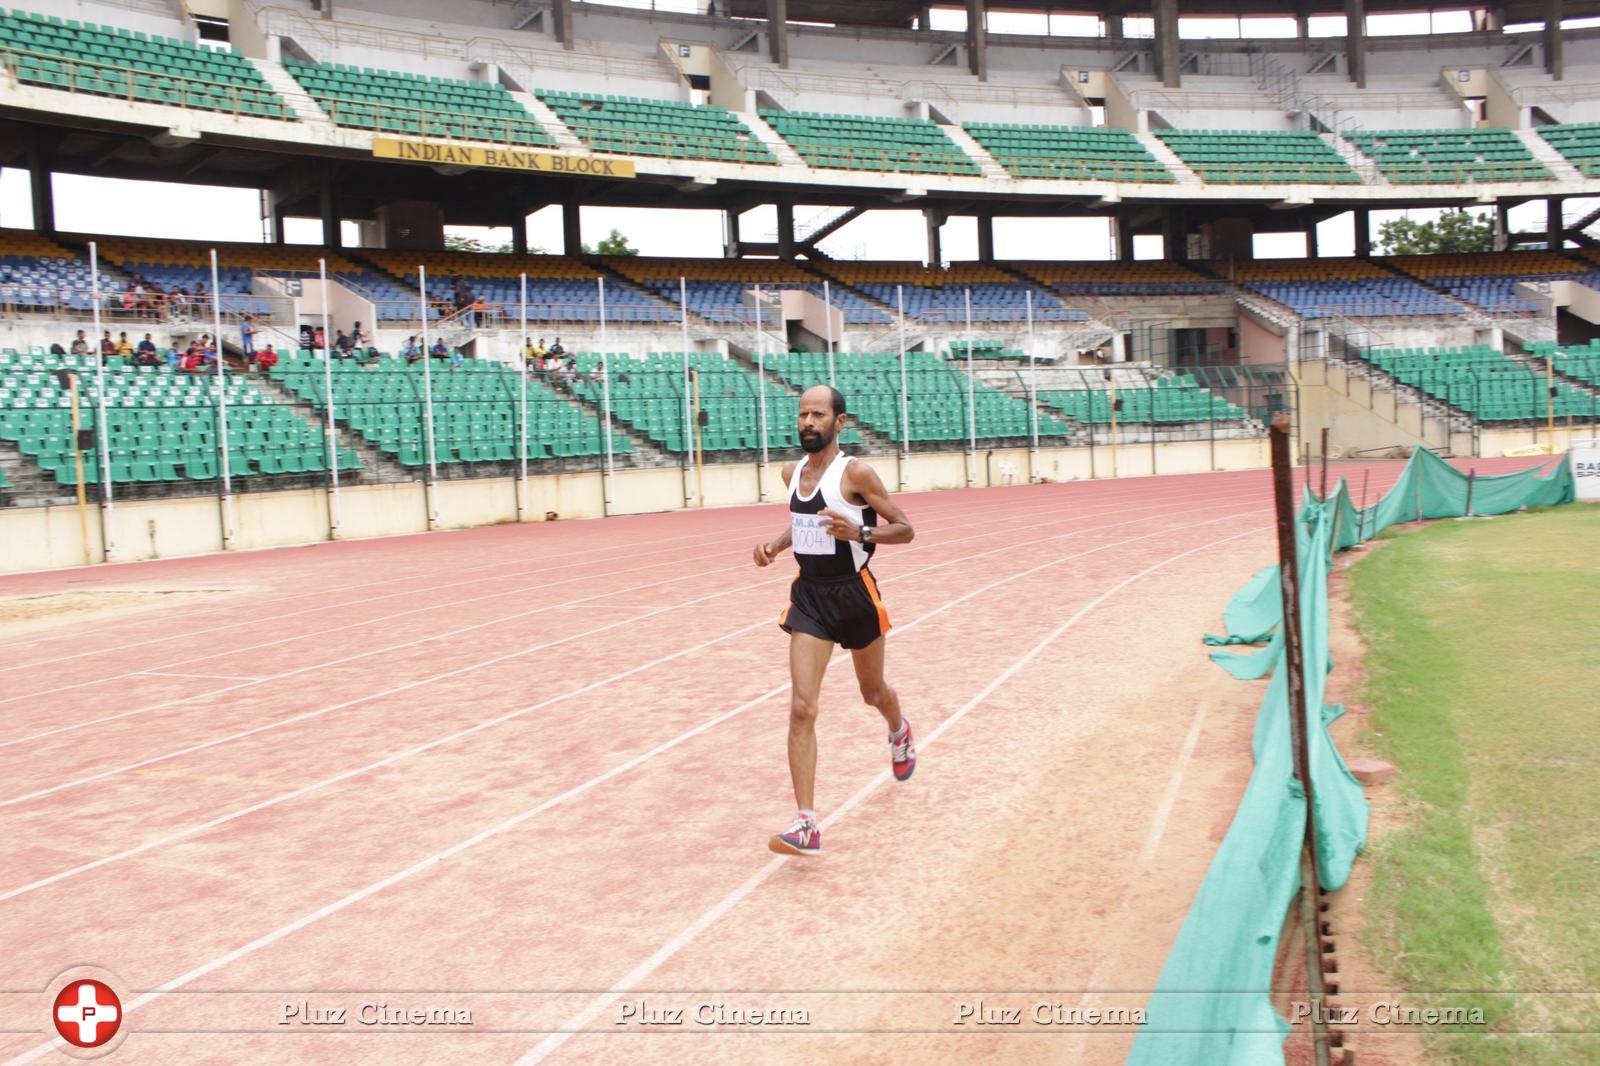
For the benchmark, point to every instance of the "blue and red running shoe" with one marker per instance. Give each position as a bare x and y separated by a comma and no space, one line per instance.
902,754
801,838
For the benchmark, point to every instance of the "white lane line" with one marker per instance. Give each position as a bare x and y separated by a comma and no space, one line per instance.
109,645
396,757
1158,824
441,636
600,1003
433,860
257,621
198,677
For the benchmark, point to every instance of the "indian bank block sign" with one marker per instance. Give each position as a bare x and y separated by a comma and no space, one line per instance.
1585,456
461,155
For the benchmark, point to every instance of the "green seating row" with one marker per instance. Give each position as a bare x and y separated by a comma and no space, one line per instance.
83,57
854,142
1254,157
1090,153
1412,157
934,401
391,102
1484,383
657,127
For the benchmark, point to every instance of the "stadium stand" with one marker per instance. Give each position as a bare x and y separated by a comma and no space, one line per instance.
38,274
1482,382
1323,288
936,396
941,292
1178,398
1125,278
1579,362
111,61
668,128
859,142
477,410
1081,153
716,288
647,393
1578,143
1415,157
1259,157
161,425
386,101
1489,279
560,289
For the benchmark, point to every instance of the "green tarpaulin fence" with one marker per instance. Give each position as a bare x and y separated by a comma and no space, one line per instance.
1211,1005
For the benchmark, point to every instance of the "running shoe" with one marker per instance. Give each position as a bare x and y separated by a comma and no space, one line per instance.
902,755
801,838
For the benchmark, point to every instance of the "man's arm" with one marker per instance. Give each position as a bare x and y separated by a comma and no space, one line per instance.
766,553
860,480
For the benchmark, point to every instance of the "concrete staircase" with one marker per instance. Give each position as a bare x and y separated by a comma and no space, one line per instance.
375,465
980,154
1546,153
299,101
782,149
1169,159
565,139
1359,162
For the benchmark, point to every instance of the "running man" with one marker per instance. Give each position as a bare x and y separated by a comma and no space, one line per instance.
834,507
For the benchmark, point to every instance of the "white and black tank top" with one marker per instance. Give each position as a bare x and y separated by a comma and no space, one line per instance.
819,554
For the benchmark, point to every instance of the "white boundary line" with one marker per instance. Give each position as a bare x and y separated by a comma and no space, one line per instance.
572,1026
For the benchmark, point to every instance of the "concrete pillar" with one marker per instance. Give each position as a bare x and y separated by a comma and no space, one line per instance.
977,40
571,227
1175,234
39,184
1363,227
1553,236
1302,23
1124,234
1552,38
328,208
561,17
985,238
1502,225
1355,14
778,32
730,234
935,220
1311,241
785,230
1167,55
519,235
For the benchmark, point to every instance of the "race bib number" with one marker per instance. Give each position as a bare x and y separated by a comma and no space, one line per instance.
808,535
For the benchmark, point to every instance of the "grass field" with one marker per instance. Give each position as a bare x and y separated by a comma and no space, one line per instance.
1484,686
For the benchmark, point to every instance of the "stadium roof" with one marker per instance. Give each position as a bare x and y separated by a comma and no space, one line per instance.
901,12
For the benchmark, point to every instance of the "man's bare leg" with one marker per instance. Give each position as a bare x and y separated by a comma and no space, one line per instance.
808,660
874,689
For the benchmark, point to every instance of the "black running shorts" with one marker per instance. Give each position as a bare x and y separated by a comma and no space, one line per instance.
847,611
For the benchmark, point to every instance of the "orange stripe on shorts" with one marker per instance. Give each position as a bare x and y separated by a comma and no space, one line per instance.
877,601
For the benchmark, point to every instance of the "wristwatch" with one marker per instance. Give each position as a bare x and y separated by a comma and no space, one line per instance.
866,534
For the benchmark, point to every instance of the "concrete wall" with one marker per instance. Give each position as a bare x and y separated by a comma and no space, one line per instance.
38,538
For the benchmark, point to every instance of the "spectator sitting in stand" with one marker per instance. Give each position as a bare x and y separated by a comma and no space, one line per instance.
567,371
147,352
411,350
456,358
358,337
124,346
108,347
319,339
343,345
80,344
554,349
266,359
174,357
440,350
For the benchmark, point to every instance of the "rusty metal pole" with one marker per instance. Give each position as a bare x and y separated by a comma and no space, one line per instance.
1361,518
1324,492
1294,668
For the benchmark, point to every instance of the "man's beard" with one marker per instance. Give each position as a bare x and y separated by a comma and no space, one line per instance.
814,442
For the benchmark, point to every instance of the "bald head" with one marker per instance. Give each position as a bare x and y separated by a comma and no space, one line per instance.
824,394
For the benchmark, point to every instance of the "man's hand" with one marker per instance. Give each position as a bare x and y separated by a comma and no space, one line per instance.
839,526
764,555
